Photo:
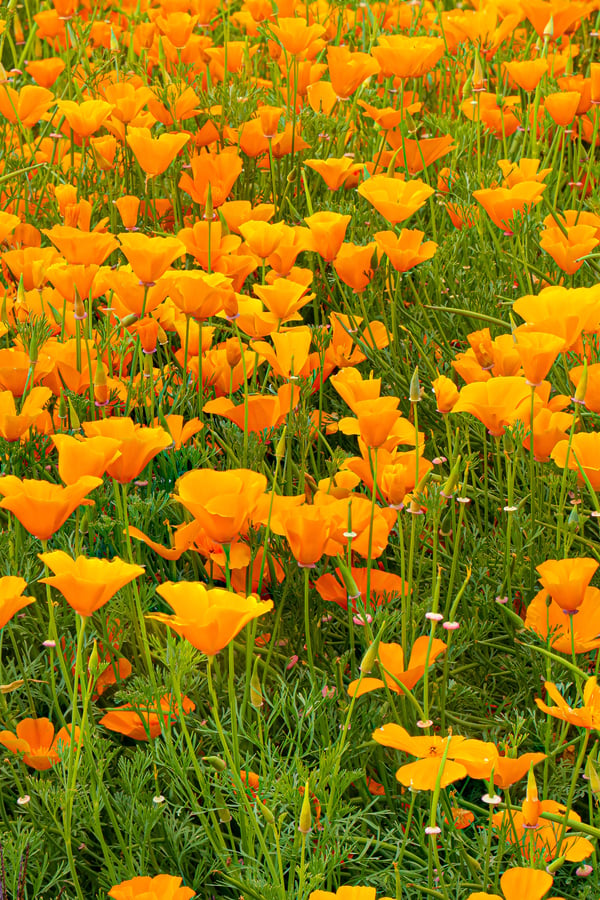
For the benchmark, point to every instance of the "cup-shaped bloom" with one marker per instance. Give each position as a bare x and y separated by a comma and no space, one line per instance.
26,106
161,887
155,155
307,530
36,740
216,172
197,294
395,199
561,106
87,117
11,597
407,57
137,445
87,584
537,352
446,394
348,70
583,452
391,659
494,402
295,35
13,425
290,358
81,248
566,633
406,250
566,580
42,508
503,204
209,618
150,257
78,456
222,502
569,250
335,172
328,230
526,73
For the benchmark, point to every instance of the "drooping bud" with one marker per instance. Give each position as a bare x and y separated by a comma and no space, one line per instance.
218,764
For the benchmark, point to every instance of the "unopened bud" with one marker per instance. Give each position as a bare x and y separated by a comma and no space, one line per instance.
100,384
581,388
370,657
62,407
222,810
452,480
218,764
208,209
93,664
73,417
478,79
414,393
556,864
549,29
233,353
266,812
161,335
78,308
256,696
305,822
591,773
291,177
352,589
280,449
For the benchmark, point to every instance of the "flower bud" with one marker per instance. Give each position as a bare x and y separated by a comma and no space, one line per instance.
93,664
73,417
100,384
222,810
218,764
349,583
305,821
280,449
581,388
414,393
266,812
256,696
233,354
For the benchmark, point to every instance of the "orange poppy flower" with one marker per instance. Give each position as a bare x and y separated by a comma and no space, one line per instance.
290,356
591,400
395,199
180,429
328,230
137,445
541,839
391,662
87,584
336,173
150,257
508,770
197,294
161,887
567,580
406,250
407,57
81,248
155,155
13,425
87,117
518,883
217,171
446,394
42,508
586,716
348,70
503,204
569,250
26,106
258,413
495,402
145,724
345,892
295,35
222,502
525,170
11,597
564,633
45,71
236,212
206,242
307,530
561,106
549,428
353,265
416,155
262,238
526,73
584,453
385,588
463,757
537,352
208,618
36,740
